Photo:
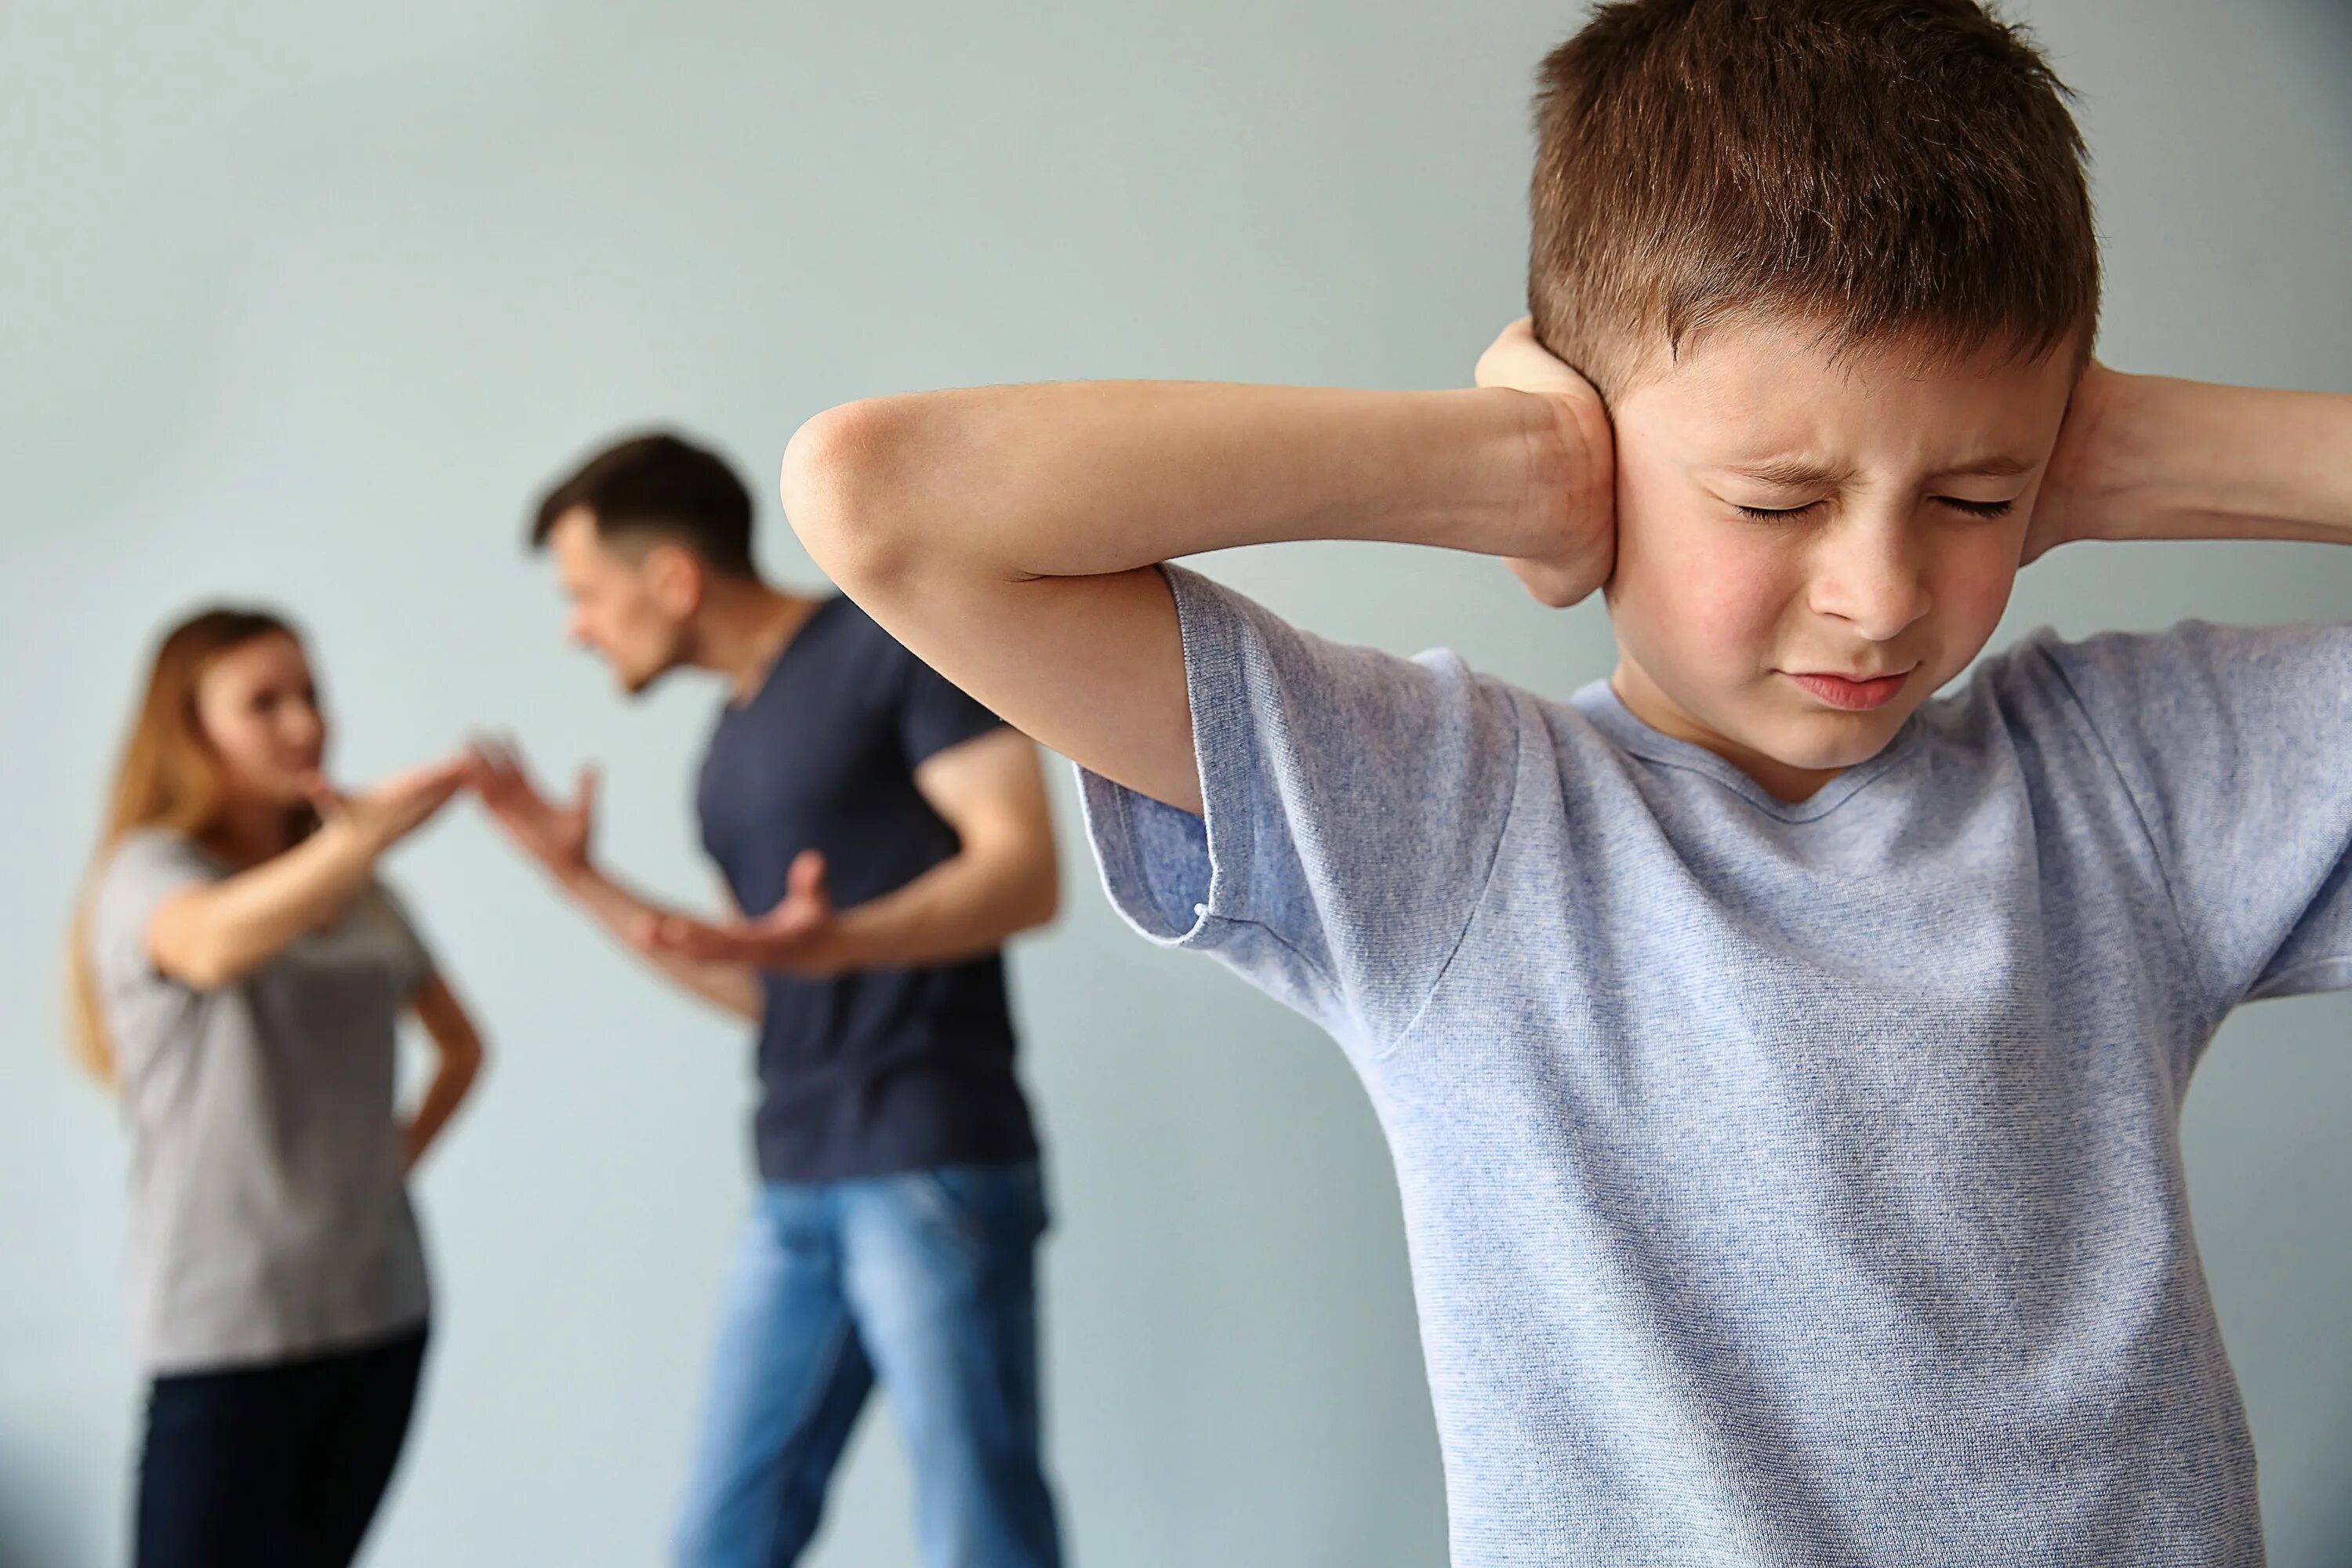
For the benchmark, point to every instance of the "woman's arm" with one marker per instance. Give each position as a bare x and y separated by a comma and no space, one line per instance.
215,935
458,1057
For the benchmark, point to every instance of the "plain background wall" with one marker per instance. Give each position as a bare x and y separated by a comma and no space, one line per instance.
302,302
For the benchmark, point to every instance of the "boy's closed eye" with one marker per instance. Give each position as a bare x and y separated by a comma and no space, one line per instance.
1986,509
1800,487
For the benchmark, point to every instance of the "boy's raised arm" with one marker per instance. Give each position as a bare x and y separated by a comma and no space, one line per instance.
1007,534
2146,457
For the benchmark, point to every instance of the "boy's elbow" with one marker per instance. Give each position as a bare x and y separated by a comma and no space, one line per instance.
845,472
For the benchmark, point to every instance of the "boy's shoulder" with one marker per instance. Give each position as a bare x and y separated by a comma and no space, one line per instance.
2192,670
2082,708
2176,723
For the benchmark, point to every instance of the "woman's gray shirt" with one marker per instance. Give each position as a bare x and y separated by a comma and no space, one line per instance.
269,1215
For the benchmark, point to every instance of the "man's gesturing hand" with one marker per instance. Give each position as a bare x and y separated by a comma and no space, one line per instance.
799,936
556,835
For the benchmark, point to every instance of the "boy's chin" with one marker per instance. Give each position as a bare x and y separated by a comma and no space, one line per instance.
1787,750
1827,744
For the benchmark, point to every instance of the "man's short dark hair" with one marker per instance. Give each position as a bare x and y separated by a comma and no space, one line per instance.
660,487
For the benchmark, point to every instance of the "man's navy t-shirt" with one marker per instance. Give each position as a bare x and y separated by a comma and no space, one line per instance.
877,1071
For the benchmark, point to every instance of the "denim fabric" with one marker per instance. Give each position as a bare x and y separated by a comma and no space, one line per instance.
924,1281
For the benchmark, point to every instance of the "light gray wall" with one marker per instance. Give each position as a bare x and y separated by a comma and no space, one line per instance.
301,301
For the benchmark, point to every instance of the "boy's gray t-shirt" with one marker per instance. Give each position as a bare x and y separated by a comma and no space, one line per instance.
1785,1183
270,1216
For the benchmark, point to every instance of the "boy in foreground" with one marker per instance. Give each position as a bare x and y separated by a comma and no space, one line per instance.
1782,1064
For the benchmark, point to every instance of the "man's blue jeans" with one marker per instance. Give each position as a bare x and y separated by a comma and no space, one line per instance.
925,1282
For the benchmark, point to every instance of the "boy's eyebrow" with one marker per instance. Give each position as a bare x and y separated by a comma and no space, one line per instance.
1999,466
1790,472
1804,473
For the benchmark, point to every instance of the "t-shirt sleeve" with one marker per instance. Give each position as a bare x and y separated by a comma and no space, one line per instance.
143,872
145,869
2235,747
1353,801
413,960
934,713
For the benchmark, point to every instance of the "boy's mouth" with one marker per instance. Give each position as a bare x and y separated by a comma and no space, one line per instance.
1854,694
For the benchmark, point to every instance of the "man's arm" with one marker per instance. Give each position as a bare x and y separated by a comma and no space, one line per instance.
558,836
2146,457
632,918
1002,880
1005,534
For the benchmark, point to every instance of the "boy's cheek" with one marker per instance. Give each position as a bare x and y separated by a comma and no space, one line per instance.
1707,624
1692,592
1974,594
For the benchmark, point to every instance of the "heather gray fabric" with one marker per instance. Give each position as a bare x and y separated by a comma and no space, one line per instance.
268,1213
1786,1184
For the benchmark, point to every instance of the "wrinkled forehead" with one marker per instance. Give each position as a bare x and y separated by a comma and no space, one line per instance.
1753,394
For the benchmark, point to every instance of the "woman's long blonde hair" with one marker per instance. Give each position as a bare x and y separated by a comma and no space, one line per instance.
169,778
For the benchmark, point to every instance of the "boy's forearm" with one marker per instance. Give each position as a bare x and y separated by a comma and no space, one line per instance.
1082,479
2193,461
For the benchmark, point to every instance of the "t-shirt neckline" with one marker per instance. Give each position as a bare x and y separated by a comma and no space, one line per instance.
1600,703
783,657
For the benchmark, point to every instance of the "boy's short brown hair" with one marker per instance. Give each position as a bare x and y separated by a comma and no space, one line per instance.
1880,166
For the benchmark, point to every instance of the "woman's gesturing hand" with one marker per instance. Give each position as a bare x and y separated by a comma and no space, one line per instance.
390,809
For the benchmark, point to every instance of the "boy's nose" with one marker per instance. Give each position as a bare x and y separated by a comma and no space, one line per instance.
1872,579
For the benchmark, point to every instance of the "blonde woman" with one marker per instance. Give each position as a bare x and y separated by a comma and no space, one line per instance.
238,976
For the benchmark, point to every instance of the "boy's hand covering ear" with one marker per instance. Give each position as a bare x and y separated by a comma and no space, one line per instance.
2082,475
1578,498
